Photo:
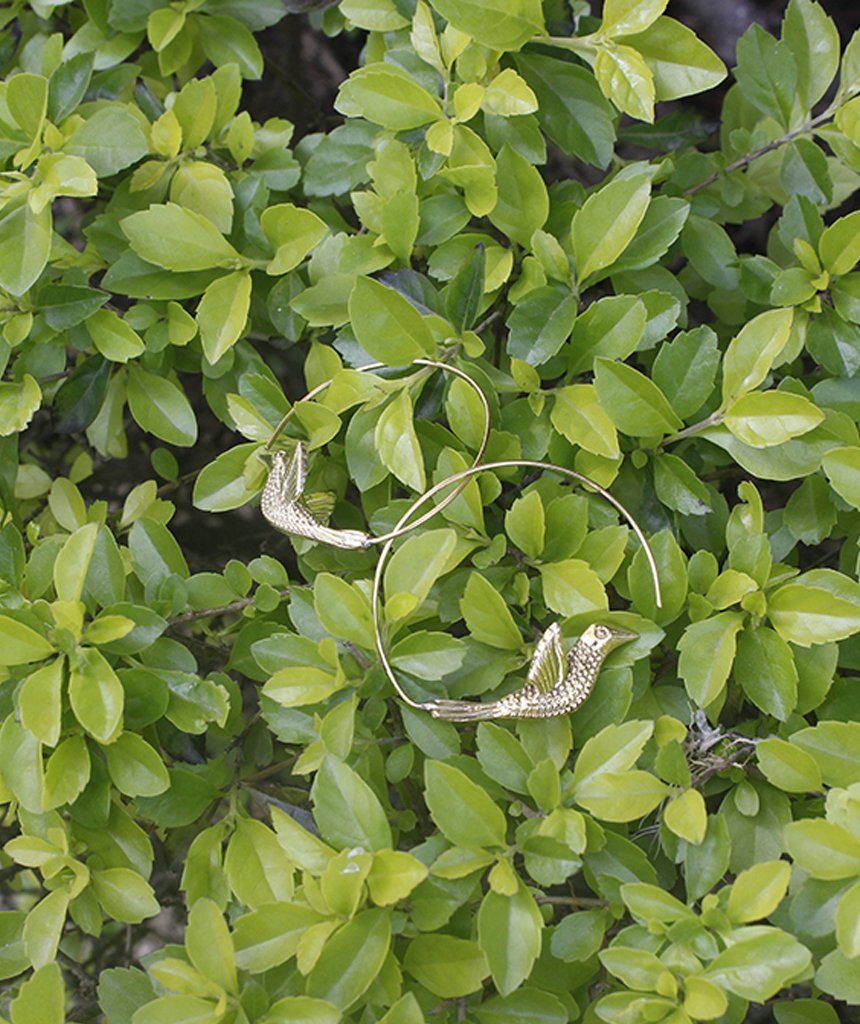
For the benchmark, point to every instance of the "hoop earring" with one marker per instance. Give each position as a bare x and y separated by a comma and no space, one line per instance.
286,507
557,683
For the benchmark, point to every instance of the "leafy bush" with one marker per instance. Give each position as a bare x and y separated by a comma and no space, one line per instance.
215,810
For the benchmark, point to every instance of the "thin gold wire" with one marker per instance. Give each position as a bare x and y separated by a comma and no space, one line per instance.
400,529
461,479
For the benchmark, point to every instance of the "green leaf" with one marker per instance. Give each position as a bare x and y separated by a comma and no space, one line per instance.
572,110
397,442
414,567
176,238
753,351
842,468
497,24
607,222
73,561
648,903
210,946
679,487
347,810
227,41
41,998
707,650
293,232
223,312
813,40
525,524
344,610
231,480
27,100
388,327
509,933
540,324
464,813
393,875
385,94
621,796
612,327
351,959
633,402
109,141
624,17
523,204
21,645
757,968
839,246
637,968
449,967
838,976
614,749
125,895
256,865
787,766
823,849
96,695
487,616
758,891
626,79
685,369
766,418
835,746
268,937
44,927
578,415
805,614
765,668
302,1010
572,587
848,921
40,702
687,816
135,767
161,408
113,337
679,61
25,245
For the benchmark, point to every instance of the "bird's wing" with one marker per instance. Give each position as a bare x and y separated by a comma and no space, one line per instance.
548,665
296,474
320,504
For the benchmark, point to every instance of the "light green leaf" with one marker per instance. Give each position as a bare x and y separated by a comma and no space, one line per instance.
25,245
753,351
687,816
578,415
209,945
757,968
125,895
626,80
269,936
509,933
621,796
347,810
449,967
161,408
487,616
393,875
497,24
758,891
351,959
788,766
839,246
176,238
707,650
293,232
464,813
414,568
344,610
73,562
109,141
848,922
572,587
679,61
388,327
835,746
822,848
765,669
804,614
113,337
842,468
397,442
135,767
633,401
385,94
766,418
21,645
41,998
223,312
96,695
606,224
523,204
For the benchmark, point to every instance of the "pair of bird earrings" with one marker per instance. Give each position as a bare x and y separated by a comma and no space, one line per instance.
557,682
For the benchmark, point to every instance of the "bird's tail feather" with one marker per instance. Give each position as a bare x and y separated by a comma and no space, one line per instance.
464,710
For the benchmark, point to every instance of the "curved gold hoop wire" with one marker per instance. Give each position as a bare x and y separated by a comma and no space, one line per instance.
461,479
434,364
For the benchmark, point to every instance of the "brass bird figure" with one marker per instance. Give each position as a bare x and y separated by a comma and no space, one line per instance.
290,510
557,683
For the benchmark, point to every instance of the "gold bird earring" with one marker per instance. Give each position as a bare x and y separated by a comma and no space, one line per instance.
557,683
285,505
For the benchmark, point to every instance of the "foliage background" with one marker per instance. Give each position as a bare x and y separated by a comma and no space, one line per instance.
214,810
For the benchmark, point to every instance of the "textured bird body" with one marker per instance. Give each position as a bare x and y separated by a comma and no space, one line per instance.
285,505
558,683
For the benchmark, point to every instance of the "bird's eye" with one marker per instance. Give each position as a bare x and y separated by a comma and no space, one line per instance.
601,632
